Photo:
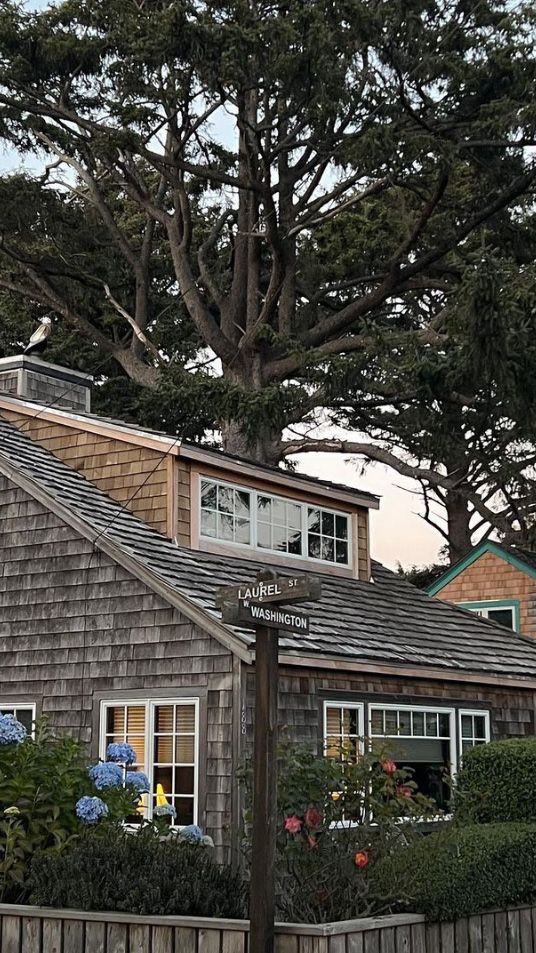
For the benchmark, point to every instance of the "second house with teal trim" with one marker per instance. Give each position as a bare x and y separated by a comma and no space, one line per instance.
497,582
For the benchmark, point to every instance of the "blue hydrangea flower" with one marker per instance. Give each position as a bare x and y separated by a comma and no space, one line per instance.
11,730
121,752
106,775
191,833
139,781
165,810
91,809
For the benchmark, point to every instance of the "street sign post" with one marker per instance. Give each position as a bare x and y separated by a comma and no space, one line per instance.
258,605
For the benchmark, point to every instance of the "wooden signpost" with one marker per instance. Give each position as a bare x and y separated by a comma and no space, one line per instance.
258,606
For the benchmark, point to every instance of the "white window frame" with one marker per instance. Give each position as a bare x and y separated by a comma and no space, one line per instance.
487,729
9,707
150,705
253,493
451,712
484,608
342,705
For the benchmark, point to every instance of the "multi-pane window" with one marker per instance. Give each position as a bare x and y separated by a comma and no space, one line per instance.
23,713
342,730
262,521
327,535
279,525
225,512
474,729
421,740
164,735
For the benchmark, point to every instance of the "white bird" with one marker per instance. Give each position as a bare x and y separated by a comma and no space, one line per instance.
39,338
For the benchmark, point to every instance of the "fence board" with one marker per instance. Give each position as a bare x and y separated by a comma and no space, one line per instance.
11,927
488,933
95,938
337,944
52,936
525,930
233,941
447,938
387,941
433,941
185,940
162,940
73,936
501,936
285,943
403,939
31,935
354,943
372,941
513,931
461,932
475,934
116,938
208,941
418,938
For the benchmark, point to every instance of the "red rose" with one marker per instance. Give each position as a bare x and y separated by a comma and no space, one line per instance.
403,790
293,824
361,859
312,817
389,767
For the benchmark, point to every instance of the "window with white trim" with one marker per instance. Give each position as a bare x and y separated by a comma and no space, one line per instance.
23,713
234,514
474,729
501,613
165,736
423,740
343,730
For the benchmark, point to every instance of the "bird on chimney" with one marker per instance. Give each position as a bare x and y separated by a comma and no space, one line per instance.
39,338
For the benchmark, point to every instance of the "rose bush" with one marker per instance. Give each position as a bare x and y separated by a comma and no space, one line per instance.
338,820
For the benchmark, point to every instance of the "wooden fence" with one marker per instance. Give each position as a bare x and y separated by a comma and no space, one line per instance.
39,930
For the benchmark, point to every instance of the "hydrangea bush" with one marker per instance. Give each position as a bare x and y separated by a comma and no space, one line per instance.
48,797
337,819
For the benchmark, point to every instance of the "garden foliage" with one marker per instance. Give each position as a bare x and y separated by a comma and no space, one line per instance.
336,821
45,788
497,783
464,870
113,869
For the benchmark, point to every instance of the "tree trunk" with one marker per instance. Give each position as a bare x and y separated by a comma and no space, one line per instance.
459,532
264,447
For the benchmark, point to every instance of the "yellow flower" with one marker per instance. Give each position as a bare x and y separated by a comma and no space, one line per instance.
335,795
11,810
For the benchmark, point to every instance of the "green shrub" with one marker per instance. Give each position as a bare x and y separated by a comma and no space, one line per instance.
113,869
497,783
41,780
464,871
336,821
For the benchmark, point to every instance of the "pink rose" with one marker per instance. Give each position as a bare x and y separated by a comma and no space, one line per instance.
403,790
389,767
312,817
293,824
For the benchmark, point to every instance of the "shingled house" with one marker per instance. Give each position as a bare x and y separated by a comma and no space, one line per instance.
113,543
495,581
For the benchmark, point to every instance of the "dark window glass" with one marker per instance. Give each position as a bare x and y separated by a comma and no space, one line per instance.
504,617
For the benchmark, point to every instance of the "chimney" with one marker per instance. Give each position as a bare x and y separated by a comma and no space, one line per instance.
29,378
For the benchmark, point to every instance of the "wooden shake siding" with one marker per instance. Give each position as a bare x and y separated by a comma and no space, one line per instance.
491,577
74,626
119,468
301,697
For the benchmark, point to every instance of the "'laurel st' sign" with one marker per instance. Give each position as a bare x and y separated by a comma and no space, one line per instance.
279,589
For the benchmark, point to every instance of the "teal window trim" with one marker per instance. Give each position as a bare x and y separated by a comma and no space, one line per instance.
496,604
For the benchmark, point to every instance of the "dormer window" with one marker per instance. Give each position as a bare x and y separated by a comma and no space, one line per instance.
256,520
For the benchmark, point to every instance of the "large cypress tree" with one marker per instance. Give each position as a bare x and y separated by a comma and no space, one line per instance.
304,194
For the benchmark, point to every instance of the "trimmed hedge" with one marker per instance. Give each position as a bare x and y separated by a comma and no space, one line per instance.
464,871
137,873
497,783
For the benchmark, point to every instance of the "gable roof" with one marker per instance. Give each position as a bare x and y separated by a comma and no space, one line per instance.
522,559
385,625
158,440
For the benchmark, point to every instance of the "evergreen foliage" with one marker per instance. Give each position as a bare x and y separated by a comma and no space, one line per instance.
496,783
322,211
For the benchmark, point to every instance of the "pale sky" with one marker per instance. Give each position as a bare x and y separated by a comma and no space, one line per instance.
398,532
